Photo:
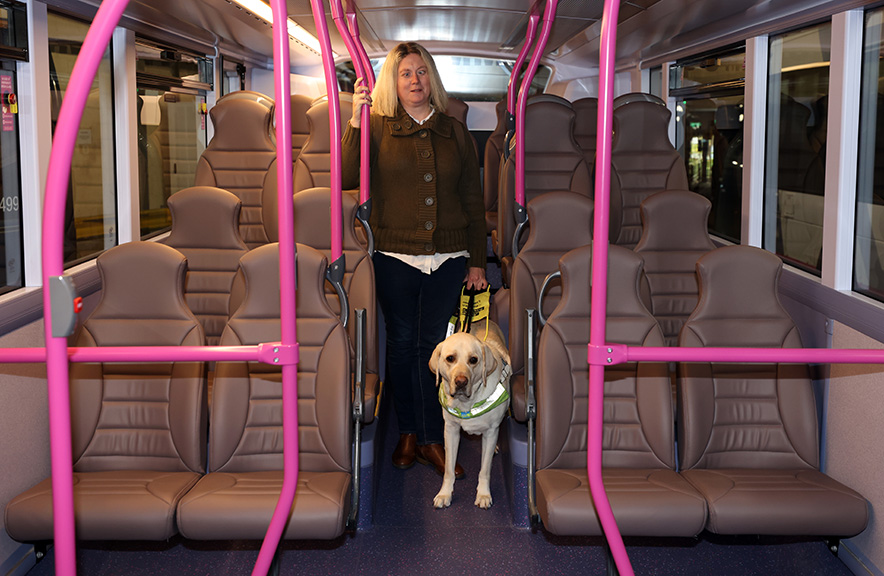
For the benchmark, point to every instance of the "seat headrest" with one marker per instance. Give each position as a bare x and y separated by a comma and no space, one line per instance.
205,217
586,121
299,106
458,109
739,282
641,125
624,283
241,125
675,220
262,99
560,221
549,124
319,140
142,280
625,99
312,225
258,297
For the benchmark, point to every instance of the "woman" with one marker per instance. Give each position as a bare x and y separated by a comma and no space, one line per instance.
429,226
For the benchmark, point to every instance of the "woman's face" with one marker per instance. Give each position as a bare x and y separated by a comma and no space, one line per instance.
413,82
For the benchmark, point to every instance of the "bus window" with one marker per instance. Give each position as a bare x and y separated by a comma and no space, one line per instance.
91,210
709,132
172,127
868,267
795,170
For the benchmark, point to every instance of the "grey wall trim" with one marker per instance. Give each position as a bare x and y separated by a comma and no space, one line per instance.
21,309
854,310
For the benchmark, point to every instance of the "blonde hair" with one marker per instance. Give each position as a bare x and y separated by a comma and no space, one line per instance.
385,99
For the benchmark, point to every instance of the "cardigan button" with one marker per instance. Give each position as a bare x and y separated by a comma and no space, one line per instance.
428,177
428,225
429,247
408,124
429,201
423,133
425,153
397,126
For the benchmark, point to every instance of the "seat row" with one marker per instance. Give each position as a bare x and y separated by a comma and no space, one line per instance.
746,459
151,460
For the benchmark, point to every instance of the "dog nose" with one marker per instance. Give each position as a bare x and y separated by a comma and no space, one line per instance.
460,382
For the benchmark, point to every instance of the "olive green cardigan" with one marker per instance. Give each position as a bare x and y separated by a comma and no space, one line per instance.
426,195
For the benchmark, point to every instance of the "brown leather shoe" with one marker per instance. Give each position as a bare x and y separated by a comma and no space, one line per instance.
403,455
434,455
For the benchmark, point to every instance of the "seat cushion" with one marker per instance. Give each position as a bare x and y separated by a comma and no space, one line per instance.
644,502
238,506
775,502
122,505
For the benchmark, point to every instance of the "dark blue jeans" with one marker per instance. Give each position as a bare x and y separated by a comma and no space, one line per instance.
416,309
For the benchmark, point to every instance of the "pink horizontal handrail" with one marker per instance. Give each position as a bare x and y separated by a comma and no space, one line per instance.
595,410
753,355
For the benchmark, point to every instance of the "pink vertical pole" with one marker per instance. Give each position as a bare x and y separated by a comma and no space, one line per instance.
549,17
595,415
511,93
289,337
53,265
334,125
354,47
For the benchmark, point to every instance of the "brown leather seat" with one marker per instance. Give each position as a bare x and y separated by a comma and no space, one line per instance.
493,162
643,162
138,430
647,496
235,500
560,222
674,236
586,120
553,161
238,159
300,125
205,228
748,433
458,109
312,227
313,168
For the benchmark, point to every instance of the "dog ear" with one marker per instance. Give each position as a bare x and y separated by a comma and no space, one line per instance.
490,359
434,362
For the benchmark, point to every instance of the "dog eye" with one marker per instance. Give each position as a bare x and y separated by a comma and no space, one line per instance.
449,358
473,359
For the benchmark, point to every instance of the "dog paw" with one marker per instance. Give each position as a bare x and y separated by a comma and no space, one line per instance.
442,500
483,501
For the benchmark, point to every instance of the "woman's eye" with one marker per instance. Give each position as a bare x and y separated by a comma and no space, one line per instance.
473,359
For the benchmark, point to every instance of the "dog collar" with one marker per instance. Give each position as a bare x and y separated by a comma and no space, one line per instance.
498,397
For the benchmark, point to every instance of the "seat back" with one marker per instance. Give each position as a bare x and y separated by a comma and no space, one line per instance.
561,221
139,416
643,162
238,159
586,120
744,415
312,227
205,228
674,236
553,161
493,160
458,109
300,103
638,427
246,432
313,168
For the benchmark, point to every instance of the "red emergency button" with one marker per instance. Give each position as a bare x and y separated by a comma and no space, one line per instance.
78,305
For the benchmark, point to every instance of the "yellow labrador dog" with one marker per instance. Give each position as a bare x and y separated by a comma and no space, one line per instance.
473,376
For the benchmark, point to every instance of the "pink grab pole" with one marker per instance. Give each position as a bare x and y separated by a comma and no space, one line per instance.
289,337
359,58
549,16
334,124
511,93
595,411
65,137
